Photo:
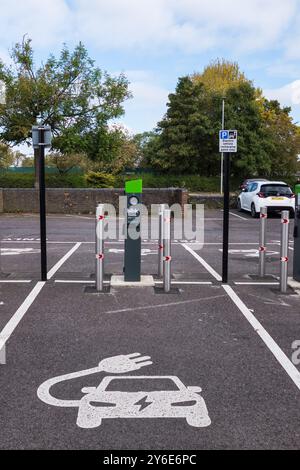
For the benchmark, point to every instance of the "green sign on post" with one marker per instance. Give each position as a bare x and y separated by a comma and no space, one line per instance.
134,187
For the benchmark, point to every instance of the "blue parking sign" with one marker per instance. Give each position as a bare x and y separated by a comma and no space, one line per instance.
228,141
224,135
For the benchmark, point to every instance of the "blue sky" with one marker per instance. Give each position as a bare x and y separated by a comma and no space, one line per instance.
155,42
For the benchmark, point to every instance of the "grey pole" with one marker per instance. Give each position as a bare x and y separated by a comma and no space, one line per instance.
284,254
100,247
262,241
160,240
167,249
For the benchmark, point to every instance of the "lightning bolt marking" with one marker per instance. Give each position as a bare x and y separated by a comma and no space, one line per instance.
143,403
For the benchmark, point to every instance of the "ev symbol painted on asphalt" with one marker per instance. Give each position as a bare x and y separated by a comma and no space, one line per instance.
124,396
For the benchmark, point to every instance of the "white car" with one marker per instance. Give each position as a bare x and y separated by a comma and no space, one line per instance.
142,397
275,195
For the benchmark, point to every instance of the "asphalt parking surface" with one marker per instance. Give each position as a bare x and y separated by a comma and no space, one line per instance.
235,342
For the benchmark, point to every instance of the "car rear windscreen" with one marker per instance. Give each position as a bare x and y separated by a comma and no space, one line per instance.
276,190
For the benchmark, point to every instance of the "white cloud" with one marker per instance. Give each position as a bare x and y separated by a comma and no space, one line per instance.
288,95
46,22
245,26
148,101
191,26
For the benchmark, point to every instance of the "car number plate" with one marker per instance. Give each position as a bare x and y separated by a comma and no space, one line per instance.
277,198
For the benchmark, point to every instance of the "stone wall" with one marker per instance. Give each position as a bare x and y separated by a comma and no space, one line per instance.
212,201
81,201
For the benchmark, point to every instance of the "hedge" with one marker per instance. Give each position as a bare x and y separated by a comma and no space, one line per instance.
193,183
9,180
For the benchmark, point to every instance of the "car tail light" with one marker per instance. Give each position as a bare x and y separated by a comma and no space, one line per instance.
262,195
293,196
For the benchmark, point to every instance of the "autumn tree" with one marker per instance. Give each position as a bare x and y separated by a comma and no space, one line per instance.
221,75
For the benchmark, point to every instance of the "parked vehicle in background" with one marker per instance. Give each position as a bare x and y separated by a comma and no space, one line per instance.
248,181
275,195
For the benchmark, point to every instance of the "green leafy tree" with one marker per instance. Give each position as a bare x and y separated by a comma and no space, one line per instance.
64,163
284,139
146,148
186,140
69,93
112,151
6,156
28,162
18,158
184,131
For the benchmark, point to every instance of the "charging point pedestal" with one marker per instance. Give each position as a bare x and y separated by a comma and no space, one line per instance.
133,242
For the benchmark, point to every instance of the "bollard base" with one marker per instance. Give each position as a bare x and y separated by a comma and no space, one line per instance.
295,285
160,290
92,290
290,291
118,281
267,277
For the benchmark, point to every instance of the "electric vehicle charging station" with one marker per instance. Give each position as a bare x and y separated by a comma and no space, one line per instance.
133,242
297,240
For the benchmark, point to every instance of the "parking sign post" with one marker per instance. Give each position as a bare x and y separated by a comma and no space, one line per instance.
228,145
226,218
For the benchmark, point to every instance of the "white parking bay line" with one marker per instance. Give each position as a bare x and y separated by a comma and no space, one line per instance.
17,317
236,215
281,357
9,328
277,352
203,262
187,283
9,281
63,260
256,283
